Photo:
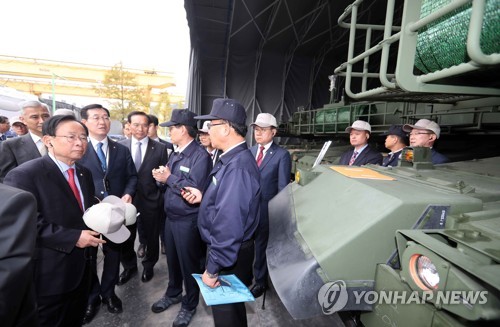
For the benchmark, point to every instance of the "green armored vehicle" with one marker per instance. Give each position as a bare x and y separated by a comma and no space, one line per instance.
433,229
416,244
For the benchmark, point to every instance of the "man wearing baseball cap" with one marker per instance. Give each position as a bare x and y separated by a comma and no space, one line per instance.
395,140
424,133
230,206
274,165
188,166
361,154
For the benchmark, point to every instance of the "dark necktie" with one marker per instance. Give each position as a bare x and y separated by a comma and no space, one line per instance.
3,137
260,155
102,157
138,156
72,185
353,158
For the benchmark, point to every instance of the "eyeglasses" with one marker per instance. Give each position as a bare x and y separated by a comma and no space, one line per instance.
210,125
97,118
418,133
73,138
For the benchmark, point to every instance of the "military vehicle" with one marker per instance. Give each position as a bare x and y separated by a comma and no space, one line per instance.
412,245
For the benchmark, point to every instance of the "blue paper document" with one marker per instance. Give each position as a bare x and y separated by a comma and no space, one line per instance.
232,290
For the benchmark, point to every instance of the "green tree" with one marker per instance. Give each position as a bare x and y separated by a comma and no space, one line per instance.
123,92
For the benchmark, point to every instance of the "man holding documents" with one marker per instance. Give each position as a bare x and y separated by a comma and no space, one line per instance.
229,210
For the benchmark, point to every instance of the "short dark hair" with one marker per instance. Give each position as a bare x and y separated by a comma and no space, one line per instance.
3,119
192,131
138,113
240,129
84,110
49,127
154,119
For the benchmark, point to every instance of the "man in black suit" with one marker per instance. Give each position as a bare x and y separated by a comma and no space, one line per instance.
114,173
361,154
153,134
148,155
63,190
17,249
18,150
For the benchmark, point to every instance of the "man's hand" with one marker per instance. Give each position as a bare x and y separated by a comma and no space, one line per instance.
161,174
89,238
192,196
127,198
210,282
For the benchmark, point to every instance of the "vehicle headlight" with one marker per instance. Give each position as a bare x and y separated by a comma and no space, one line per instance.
423,272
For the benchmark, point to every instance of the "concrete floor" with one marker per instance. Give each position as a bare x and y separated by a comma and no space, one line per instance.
137,298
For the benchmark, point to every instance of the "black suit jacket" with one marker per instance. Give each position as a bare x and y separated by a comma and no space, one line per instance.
59,264
17,248
16,151
368,156
148,196
120,173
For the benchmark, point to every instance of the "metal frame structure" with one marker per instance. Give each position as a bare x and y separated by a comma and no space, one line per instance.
404,79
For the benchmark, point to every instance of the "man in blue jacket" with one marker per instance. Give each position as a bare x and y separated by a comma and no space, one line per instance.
395,140
230,209
189,166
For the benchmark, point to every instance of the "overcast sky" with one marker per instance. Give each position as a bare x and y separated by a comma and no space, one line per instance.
147,34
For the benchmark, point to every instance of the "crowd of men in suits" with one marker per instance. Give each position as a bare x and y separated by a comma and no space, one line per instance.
206,201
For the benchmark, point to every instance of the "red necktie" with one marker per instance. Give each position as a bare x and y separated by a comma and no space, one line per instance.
72,184
260,156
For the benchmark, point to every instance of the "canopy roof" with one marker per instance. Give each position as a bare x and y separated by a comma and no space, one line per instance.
271,55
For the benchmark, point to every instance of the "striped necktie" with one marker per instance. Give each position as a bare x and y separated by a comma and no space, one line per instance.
353,158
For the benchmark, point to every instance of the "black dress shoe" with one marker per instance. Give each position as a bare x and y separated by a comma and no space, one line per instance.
147,274
126,275
114,304
141,251
91,312
257,290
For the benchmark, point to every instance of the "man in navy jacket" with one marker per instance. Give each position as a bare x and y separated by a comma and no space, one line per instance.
230,208
396,140
189,165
